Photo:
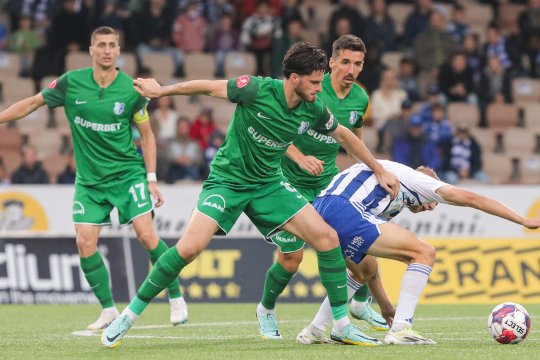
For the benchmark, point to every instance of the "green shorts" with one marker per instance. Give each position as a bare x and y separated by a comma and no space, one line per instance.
268,206
287,242
128,194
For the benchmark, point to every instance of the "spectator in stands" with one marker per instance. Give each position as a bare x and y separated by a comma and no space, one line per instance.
463,158
216,140
380,27
456,80
4,178
414,149
153,27
529,25
189,34
4,40
457,27
69,173
342,27
214,12
439,129
24,42
184,154
290,11
385,105
474,56
226,39
495,83
165,117
434,97
497,45
433,46
31,170
293,34
349,10
258,33
417,21
69,29
399,126
407,78
202,127
112,16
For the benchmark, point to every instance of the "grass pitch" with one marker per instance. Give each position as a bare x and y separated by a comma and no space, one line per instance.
230,331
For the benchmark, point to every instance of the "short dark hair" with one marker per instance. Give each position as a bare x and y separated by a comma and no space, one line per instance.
104,30
348,42
303,58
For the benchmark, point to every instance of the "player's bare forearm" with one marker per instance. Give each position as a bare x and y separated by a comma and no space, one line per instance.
356,148
308,163
293,153
148,146
215,88
22,108
377,290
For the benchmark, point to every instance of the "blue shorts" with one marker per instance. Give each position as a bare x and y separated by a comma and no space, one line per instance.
357,229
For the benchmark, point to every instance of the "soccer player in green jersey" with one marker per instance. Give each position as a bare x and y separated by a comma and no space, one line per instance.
101,106
310,165
246,177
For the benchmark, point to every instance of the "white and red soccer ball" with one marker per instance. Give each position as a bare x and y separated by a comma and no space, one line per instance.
509,323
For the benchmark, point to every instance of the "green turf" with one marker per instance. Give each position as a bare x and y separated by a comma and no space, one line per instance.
225,331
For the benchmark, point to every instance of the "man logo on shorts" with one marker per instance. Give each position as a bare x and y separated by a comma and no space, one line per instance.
216,202
78,208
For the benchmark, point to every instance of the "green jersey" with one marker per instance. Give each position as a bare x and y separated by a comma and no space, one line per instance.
262,128
349,112
100,120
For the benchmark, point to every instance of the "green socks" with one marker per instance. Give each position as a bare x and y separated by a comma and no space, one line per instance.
97,275
333,275
276,280
361,294
165,270
173,288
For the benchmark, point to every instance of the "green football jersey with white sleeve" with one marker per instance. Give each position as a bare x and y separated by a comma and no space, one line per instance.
262,128
100,120
349,112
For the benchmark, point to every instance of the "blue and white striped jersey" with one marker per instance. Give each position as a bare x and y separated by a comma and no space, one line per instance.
359,186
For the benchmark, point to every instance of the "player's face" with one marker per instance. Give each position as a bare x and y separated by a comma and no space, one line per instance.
346,67
308,86
105,50
426,207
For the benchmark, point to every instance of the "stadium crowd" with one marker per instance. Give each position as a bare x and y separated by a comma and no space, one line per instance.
426,70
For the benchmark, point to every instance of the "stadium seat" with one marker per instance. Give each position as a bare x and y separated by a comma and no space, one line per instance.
369,135
530,169
78,60
16,89
9,65
477,16
519,141
399,13
199,66
497,166
12,160
128,64
463,113
322,11
222,110
392,59
239,63
526,90
532,115
502,115
508,16
47,142
55,164
161,65
10,139
485,137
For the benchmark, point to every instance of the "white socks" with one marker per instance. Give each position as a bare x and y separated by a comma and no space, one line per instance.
264,311
130,314
324,315
413,283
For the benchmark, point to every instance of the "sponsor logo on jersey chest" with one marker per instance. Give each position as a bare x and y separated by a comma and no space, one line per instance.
327,139
261,139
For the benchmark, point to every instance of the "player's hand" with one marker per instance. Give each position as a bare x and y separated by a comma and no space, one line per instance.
389,182
152,187
388,314
531,223
149,88
311,164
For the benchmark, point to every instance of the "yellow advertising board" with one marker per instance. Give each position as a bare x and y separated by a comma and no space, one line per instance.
475,271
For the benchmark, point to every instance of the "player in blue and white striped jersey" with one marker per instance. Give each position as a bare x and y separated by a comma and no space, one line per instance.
359,210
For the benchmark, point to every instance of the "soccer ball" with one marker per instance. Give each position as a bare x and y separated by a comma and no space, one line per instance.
509,323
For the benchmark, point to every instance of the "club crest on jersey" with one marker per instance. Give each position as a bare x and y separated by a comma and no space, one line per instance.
353,117
242,81
330,122
303,127
119,108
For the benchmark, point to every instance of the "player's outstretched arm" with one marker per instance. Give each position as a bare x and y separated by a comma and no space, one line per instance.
150,88
307,163
358,149
22,108
461,197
